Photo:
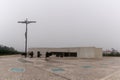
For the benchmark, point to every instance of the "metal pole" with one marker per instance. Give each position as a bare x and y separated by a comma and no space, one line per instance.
26,39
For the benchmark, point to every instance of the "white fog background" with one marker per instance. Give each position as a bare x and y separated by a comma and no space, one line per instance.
61,23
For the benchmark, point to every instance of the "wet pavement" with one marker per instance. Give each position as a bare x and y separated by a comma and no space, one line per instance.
18,68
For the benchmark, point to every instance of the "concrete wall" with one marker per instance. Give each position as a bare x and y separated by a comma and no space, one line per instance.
87,52
98,53
82,52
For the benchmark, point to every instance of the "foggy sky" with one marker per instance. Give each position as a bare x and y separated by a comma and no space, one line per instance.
61,23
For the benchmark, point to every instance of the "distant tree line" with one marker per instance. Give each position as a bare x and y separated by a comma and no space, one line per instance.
113,52
4,50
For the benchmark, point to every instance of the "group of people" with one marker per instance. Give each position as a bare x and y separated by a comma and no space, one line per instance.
31,54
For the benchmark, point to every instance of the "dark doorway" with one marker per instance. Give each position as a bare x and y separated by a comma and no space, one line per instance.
64,54
73,54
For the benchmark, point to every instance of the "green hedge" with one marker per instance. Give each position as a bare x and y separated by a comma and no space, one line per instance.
4,50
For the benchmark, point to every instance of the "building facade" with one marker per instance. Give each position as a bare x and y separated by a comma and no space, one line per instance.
79,52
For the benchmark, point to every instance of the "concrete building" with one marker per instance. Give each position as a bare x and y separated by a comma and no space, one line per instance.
79,52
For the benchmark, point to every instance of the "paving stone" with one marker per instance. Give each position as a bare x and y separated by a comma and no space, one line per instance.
107,68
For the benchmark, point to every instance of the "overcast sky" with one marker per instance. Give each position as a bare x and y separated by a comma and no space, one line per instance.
61,23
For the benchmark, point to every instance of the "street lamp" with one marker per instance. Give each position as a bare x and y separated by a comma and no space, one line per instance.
26,22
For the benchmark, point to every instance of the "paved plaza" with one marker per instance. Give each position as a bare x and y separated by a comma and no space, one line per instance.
18,68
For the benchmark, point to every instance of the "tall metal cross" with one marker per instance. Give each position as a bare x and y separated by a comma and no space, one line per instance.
26,22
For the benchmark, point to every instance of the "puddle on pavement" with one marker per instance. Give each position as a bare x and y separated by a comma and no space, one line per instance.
17,69
104,64
86,66
57,70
